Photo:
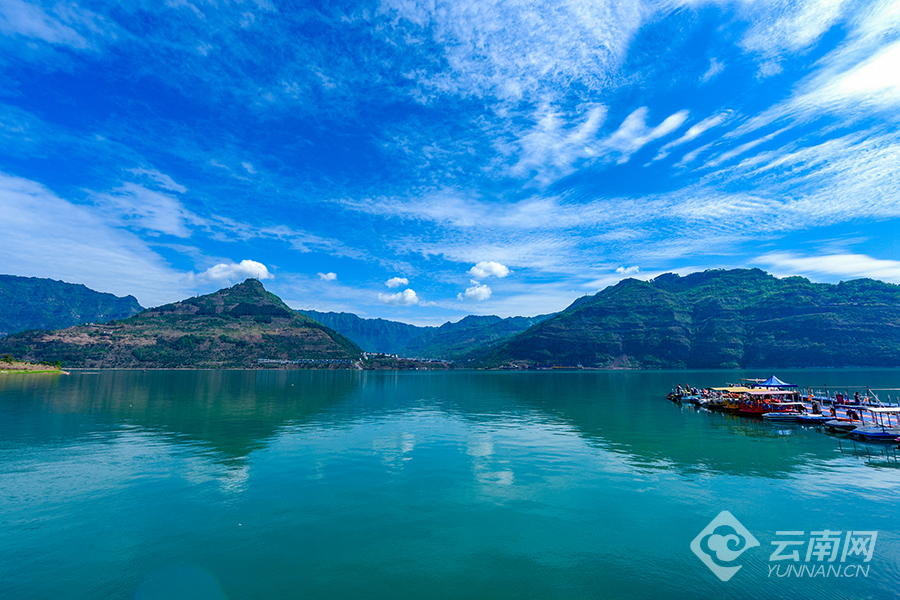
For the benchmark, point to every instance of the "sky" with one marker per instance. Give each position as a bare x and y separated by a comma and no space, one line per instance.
422,161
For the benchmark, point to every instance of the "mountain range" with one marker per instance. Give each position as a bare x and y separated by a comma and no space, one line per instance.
235,327
742,318
34,303
464,340
717,319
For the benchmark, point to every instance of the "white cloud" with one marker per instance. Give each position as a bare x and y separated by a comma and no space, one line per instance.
487,269
875,81
328,276
844,266
725,156
404,298
694,132
787,26
28,20
223,272
396,282
249,167
553,145
633,134
522,50
628,270
692,155
715,67
46,236
853,80
139,208
477,291
161,179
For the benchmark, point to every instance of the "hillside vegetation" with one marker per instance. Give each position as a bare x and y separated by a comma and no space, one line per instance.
467,339
34,303
718,319
234,327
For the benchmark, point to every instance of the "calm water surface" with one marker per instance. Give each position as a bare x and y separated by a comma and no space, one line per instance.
300,484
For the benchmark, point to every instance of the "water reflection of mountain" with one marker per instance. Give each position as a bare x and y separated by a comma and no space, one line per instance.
626,412
232,413
621,412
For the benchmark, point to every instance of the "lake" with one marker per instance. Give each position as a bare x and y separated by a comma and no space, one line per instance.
432,485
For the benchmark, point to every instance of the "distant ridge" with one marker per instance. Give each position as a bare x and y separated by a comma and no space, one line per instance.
466,339
469,339
36,303
717,319
234,327
372,335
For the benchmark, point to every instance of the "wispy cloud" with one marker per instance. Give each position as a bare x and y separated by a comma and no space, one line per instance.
65,24
715,67
47,236
327,276
633,134
523,50
741,149
161,179
553,146
829,267
781,28
694,132
140,208
852,80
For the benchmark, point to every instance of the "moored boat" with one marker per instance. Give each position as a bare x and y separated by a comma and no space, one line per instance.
812,418
785,412
885,425
843,425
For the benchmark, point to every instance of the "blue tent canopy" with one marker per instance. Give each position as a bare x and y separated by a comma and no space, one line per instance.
775,382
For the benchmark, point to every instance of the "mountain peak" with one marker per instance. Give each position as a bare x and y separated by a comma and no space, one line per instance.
250,284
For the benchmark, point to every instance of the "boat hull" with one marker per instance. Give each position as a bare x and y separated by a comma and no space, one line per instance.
887,434
782,417
842,425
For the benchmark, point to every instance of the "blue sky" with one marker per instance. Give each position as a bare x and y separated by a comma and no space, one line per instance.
421,161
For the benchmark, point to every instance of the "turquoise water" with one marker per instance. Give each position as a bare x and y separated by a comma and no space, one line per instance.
304,484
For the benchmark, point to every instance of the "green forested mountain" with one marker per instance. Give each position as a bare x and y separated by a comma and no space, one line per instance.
718,319
714,319
234,327
372,335
470,338
34,303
